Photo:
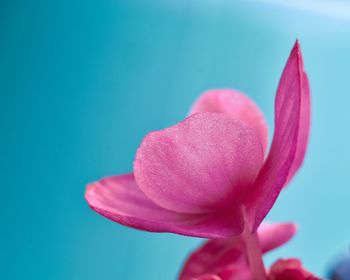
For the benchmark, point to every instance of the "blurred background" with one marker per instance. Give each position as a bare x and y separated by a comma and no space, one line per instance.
81,82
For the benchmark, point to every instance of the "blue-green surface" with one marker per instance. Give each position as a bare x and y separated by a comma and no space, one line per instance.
81,82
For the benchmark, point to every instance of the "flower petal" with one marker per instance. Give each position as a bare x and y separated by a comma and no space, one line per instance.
119,198
236,105
272,236
203,164
304,123
215,256
227,257
290,269
292,111
208,277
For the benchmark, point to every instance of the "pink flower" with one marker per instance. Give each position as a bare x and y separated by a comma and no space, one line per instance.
289,269
227,258
209,176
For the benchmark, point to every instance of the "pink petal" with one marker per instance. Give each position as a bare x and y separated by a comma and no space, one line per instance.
241,273
203,164
272,236
227,257
120,199
304,123
236,105
290,269
292,110
215,256
208,277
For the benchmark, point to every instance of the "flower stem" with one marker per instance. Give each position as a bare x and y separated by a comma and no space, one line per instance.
254,254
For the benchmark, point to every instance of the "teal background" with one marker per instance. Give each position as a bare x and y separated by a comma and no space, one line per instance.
81,82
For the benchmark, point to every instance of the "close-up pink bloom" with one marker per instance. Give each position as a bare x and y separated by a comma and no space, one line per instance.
211,175
157,139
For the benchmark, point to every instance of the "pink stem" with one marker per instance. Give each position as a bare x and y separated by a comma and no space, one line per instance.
254,254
